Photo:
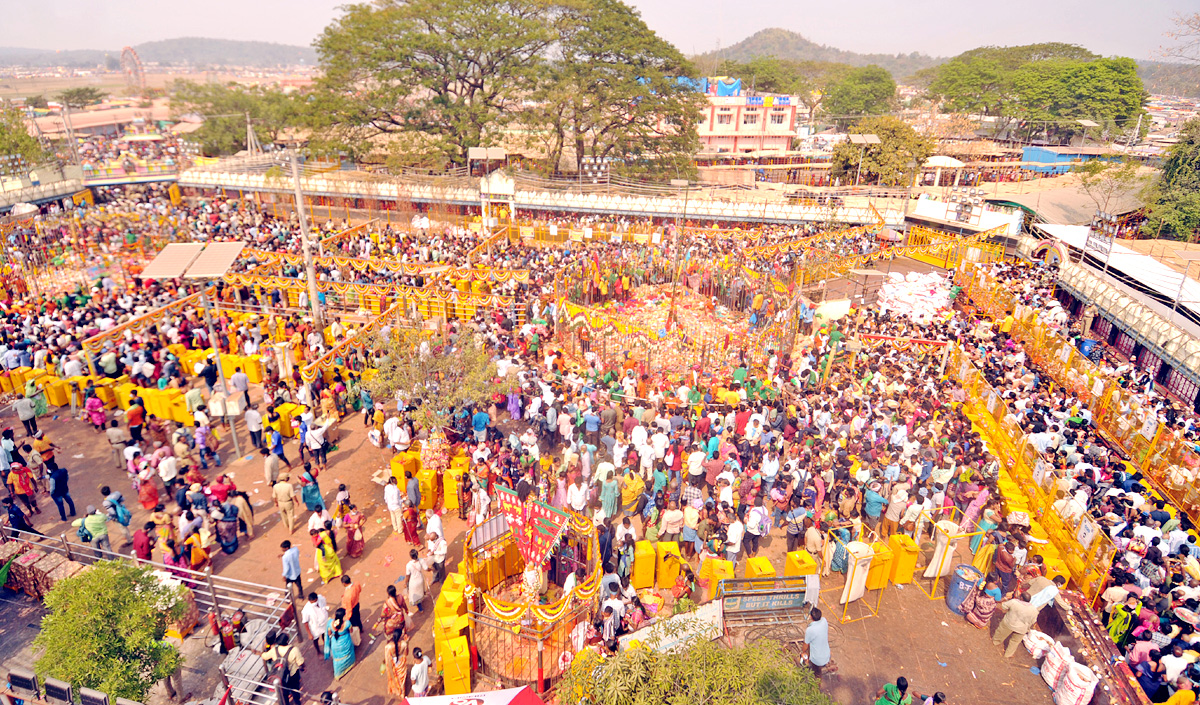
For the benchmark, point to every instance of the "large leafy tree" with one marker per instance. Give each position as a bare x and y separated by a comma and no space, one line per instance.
81,97
442,76
1046,86
104,630
611,92
1174,210
868,90
225,108
15,140
441,376
1059,92
698,672
887,163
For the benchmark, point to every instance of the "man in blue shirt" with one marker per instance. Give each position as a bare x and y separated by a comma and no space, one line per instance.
873,504
817,638
277,446
591,425
291,567
479,424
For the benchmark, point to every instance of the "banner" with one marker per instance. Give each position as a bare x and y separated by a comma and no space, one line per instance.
535,525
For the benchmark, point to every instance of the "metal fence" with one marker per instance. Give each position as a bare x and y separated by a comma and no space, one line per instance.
244,677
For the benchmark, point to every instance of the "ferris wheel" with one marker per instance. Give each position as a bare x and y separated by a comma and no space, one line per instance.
131,65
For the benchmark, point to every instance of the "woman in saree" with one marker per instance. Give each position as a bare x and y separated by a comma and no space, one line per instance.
395,663
328,407
227,529
989,520
164,524
95,411
38,395
394,614
410,521
193,548
173,558
310,491
841,556
976,505
325,560
980,604
146,489
339,645
355,541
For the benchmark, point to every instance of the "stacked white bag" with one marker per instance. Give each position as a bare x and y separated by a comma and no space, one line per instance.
1073,683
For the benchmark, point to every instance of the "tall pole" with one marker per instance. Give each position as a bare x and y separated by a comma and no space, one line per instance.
1187,266
212,336
306,238
70,134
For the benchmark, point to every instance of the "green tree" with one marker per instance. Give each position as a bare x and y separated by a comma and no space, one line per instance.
225,107
611,92
886,163
37,101
15,139
81,97
1056,93
1106,182
452,75
441,376
701,671
104,630
863,91
1174,210
975,84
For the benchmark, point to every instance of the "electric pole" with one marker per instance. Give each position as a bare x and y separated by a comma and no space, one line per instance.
306,239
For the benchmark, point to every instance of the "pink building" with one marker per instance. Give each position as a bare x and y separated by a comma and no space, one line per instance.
749,124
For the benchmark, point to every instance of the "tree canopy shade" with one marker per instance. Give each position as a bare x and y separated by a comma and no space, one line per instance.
81,97
1175,199
863,91
104,630
441,376
574,78
611,92
448,75
225,108
1048,86
15,140
886,163
700,672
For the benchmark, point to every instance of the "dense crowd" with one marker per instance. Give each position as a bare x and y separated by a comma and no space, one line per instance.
814,451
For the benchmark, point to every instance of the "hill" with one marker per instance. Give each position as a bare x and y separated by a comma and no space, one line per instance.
1181,80
785,44
184,51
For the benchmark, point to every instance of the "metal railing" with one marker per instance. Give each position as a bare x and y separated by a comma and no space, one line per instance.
212,594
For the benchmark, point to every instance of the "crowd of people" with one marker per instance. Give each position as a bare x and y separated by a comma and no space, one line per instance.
786,446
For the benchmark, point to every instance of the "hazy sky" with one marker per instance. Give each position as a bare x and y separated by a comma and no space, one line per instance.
938,27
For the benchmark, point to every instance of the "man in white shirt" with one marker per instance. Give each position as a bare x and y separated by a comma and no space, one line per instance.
577,495
436,545
254,425
315,617
733,541
392,497
168,470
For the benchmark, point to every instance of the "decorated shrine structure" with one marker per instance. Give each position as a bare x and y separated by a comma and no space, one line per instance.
524,628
